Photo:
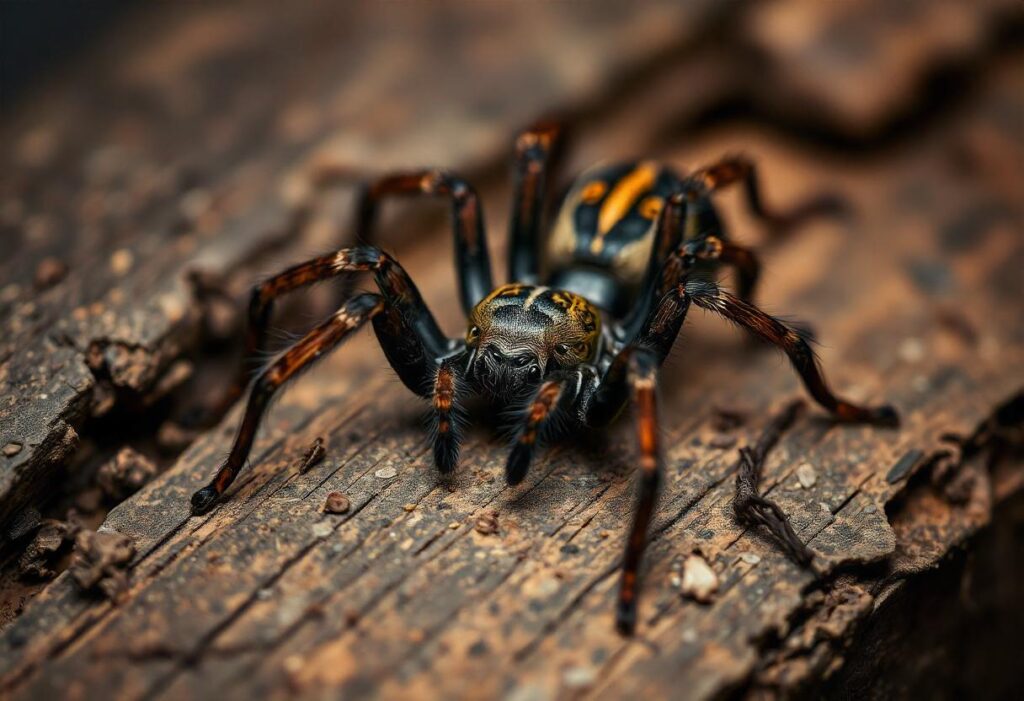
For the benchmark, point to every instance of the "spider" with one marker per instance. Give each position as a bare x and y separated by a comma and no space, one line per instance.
631,248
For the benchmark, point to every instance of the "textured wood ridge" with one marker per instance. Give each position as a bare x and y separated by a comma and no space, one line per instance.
915,299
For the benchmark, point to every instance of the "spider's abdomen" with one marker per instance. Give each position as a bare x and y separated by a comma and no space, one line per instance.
606,225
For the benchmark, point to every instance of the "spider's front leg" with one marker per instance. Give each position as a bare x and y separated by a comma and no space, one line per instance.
407,331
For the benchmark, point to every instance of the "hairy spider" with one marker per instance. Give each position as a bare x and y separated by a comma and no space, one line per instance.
631,248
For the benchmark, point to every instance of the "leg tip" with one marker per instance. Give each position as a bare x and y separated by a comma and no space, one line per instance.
203,500
517,466
886,415
446,456
625,619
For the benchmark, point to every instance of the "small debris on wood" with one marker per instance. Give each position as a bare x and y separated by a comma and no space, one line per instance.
409,507
728,419
750,506
121,261
36,562
487,523
337,503
12,449
313,456
579,677
806,475
49,272
699,581
100,562
125,474
454,525
912,350
750,558
385,473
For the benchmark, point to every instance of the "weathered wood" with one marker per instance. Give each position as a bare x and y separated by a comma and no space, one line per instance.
191,172
915,300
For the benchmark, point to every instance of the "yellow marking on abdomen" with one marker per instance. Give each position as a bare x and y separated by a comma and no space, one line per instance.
621,199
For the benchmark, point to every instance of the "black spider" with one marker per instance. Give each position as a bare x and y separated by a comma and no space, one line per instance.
631,248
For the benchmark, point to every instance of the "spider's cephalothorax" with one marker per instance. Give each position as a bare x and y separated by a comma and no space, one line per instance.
518,334
579,338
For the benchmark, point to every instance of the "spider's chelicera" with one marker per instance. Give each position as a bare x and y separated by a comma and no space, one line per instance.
630,249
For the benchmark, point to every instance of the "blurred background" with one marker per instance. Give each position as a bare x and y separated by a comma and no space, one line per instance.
156,159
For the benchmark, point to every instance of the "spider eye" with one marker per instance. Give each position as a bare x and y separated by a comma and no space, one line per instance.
562,349
473,333
534,374
581,348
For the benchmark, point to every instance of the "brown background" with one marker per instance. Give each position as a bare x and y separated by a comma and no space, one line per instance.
179,142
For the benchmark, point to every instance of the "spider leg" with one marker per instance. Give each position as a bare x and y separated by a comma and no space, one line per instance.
709,296
472,263
688,215
407,327
535,149
642,378
712,248
446,419
300,356
550,397
742,170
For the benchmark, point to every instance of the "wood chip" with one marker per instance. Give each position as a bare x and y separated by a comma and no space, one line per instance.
337,503
699,581
313,455
12,449
385,473
806,475
487,523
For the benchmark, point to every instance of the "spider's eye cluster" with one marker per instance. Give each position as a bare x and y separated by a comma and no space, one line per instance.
580,348
473,334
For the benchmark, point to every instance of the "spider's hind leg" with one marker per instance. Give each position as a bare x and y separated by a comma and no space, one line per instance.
739,169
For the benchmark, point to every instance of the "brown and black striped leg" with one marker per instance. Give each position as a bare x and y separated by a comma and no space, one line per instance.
708,295
535,148
564,387
447,419
407,327
299,357
472,264
643,380
738,169
714,248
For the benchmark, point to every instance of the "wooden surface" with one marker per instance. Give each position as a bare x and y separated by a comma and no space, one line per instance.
915,300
